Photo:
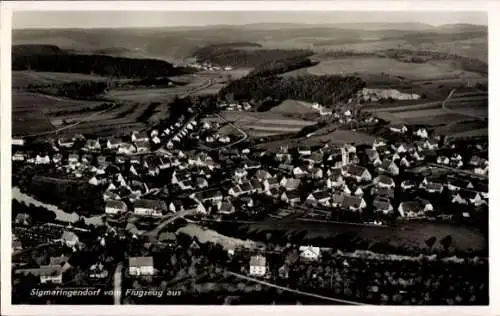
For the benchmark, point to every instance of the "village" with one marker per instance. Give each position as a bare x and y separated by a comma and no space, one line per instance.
150,180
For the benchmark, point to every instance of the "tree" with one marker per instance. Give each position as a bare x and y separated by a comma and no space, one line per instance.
430,242
446,242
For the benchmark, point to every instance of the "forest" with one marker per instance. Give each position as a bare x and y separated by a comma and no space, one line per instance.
328,90
101,65
276,67
248,57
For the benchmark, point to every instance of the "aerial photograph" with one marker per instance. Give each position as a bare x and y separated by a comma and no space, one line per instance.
249,158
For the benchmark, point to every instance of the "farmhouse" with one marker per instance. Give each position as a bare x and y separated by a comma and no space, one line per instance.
65,142
443,160
357,172
388,166
92,144
126,149
291,197
258,265
142,146
114,207
18,156
309,252
70,239
384,181
422,133
416,208
146,207
290,184
138,266
17,141
140,136
382,205
210,196
399,128
320,197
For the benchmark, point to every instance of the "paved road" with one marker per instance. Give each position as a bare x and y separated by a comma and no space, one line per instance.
117,284
467,172
244,277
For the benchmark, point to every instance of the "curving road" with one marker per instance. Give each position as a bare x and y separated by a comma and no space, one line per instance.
117,284
449,97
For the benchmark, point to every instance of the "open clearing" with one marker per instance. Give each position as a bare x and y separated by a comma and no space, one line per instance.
259,124
363,66
293,107
407,235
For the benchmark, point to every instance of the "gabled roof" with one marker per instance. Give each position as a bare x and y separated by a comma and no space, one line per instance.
351,201
140,261
387,163
356,170
320,195
384,179
115,204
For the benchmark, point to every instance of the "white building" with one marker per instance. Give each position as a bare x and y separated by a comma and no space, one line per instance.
258,266
138,266
309,252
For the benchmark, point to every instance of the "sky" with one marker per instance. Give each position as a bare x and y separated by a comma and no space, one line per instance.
131,19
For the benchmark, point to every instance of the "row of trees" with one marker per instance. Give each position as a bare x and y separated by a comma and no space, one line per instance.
327,90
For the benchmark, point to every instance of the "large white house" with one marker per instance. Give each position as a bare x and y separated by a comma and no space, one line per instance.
258,265
138,266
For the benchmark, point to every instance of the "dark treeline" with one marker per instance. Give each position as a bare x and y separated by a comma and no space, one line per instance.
276,67
100,107
327,90
97,65
248,58
78,90
465,63
36,49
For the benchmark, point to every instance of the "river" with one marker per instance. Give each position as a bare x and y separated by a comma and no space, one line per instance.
60,214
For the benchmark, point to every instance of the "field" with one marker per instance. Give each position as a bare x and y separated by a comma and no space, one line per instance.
260,124
408,235
368,66
293,107
22,79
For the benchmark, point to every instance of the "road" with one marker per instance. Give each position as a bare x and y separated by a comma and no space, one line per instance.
117,284
153,234
331,299
245,136
449,97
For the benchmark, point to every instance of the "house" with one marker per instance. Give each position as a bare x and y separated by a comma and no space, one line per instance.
201,182
139,266
256,186
225,207
443,160
408,185
378,191
97,271
23,219
240,173
98,179
235,190
246,187
378,143
60,260
416,208
70,239
472,197
320,197
258,266
481,170
18,156
42,160
431,187
290,184
455,184
168,238
417,156
114,207
476,161
65,142
399,128
389,166
372,154
317,173
299,172
114,143
142,146
384,181
262,175
309,252
353,203
359,173
431,144
126,149
382,205
50,274
271,183
252,165
422,133
139,137
316,158
400,148
458,199
291,197
304,150
92,144
210,196
146,207
404,163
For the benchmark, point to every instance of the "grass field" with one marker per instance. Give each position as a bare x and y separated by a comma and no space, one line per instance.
363,66
293,107
406,235
22,79
259,124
